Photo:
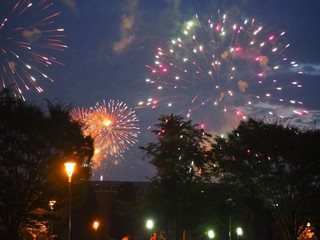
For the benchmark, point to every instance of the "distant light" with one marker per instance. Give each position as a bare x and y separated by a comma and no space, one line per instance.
96,225
149,224
211,234
239,231
69,168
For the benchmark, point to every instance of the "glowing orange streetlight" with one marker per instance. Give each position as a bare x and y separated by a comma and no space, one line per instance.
51,205
95,226
69,168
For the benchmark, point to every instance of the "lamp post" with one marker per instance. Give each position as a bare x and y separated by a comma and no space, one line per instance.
239,232
231,203
211,234
149,225
69,168
95,226
51,204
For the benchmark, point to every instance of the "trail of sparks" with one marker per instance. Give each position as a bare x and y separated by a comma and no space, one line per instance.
220,66
113,125
28,37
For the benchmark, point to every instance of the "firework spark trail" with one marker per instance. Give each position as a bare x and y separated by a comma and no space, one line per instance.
28,36
113,126
221,65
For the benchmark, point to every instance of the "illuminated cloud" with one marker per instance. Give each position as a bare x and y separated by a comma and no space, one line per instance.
291,115
70,3
310,69
127,35
175,3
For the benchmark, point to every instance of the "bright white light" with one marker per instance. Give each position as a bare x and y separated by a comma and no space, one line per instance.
211,234
239,231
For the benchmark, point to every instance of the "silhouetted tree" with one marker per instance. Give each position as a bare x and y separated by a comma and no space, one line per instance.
181,159
180,155
126,212
34,144
277,164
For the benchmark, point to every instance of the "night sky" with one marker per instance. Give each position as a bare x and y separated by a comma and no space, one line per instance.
111,49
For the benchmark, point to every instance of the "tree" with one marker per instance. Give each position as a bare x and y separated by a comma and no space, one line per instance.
33,147
181,159
180,155
277,164
126,212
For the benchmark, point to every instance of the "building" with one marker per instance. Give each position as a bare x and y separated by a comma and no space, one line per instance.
107,193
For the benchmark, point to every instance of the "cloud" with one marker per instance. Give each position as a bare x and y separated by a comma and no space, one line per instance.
127,23
224,122
70,3
176,3
127,35
310,69
309,121
132,4
292,115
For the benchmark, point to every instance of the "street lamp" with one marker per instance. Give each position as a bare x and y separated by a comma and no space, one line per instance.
95,226
211,234
69,168
149,225
51,205
239,232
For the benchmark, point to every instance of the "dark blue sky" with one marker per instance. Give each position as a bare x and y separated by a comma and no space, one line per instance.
111,42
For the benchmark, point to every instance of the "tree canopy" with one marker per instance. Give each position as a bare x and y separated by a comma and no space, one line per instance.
276,163
182,159
181,154
34,144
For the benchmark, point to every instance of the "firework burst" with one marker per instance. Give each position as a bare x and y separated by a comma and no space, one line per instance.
222,66
113,126
28,36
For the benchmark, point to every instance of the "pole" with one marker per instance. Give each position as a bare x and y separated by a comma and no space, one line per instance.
69,230
51,230
229,227
96,226
69,168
